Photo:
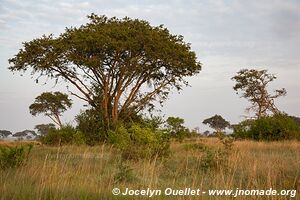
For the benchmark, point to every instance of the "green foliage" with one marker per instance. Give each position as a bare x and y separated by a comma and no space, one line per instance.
89,124
43,129
227,141
210,159
296,119
241,130
4,133
213,158
65,135
137,141
51,105
194,146
216,158
253,84
124,65
24,133
124,173
153,122
11,157
176,129
276,127
217,122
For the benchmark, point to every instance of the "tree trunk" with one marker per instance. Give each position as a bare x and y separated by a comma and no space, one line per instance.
58,120
104,105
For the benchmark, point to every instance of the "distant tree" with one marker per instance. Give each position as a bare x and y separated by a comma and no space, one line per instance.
51,105
196,130
175,124
217,122
29,137
43,129
253,86
176,128
28,134
4,133
118,66
206,133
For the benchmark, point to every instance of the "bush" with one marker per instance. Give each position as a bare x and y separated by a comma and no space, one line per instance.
89,124
11,157
214,159
241,130
124,173
217,158
137,141
65,135
270,128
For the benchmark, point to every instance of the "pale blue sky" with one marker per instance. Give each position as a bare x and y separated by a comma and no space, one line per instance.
226,36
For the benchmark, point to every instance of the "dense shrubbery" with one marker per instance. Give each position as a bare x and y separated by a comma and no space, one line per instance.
137,141
65,135
89,124
11,157
140,139
276,127
136,138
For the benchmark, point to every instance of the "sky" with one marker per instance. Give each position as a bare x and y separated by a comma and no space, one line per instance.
227,35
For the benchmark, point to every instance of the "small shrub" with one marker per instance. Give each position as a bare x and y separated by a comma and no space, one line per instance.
90,125
214,159
11,157
226,140
65,135
208,160
137,141
124,173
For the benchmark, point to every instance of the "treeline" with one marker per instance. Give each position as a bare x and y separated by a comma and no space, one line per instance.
21,135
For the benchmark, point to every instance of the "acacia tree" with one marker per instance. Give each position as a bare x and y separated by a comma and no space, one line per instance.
253,86
175,124
176,127
51,105
118,66
4,133
43,129
26,133
217,122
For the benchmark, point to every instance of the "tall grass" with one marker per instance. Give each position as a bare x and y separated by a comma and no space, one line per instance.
82,172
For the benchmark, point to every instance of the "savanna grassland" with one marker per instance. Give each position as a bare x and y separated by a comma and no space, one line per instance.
84,172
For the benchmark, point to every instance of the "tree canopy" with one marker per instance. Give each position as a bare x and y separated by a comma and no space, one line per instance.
52,105
24,133
217,122
43,129
176,128
119,66
4,133
175,124
253,86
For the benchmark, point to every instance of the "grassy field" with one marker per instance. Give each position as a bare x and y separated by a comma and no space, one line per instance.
83,172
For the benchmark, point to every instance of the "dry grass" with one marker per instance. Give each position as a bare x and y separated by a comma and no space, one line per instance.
81,172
